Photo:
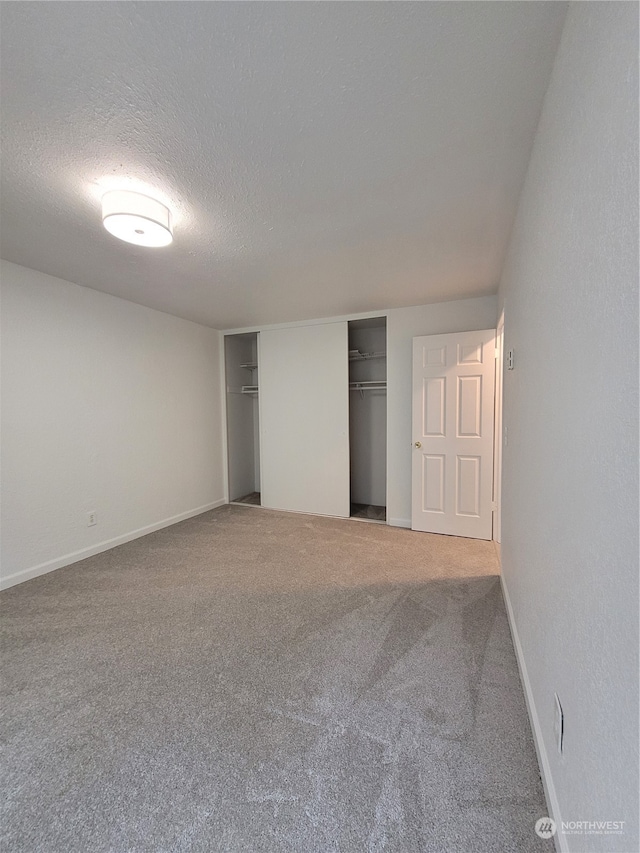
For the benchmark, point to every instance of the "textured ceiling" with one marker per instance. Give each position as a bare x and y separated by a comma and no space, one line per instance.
320,158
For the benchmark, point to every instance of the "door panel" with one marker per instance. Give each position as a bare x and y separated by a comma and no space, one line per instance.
433,483
304,419
453,406
434,406
468,486
469,406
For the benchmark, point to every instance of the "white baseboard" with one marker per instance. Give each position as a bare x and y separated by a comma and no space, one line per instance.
400,522
560,840
75,556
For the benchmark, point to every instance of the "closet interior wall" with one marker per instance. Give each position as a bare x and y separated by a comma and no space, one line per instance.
243,433
368,416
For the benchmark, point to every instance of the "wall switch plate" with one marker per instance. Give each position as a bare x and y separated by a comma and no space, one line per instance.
91,519
510,360
558,724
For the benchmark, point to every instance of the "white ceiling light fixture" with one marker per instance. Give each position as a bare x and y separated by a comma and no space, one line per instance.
136,218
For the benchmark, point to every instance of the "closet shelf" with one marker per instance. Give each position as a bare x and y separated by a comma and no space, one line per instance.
246,389
365,356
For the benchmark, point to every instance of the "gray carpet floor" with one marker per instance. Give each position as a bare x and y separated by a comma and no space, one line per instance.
252,681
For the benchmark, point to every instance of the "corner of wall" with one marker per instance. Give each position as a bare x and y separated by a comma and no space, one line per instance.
536,729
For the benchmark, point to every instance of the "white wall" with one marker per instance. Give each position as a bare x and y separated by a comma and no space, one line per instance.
403,324
570,468
106,406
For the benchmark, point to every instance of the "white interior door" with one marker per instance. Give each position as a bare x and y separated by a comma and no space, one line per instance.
453,405
304,419
497,444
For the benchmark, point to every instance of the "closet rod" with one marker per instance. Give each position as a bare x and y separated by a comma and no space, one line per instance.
367,386
364,356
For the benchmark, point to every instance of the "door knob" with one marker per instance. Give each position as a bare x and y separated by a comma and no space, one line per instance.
418,444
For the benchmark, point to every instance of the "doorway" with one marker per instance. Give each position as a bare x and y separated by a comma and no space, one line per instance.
368,419
243,430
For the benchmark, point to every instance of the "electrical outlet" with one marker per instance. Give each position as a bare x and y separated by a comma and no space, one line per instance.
558,724
91,519
510,359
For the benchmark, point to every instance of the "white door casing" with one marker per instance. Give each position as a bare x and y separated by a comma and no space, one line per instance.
453,410
304,419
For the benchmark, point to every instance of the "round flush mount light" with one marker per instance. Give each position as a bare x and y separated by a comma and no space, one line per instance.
136,218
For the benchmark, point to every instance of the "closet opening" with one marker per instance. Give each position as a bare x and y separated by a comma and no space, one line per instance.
368,418
243,433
